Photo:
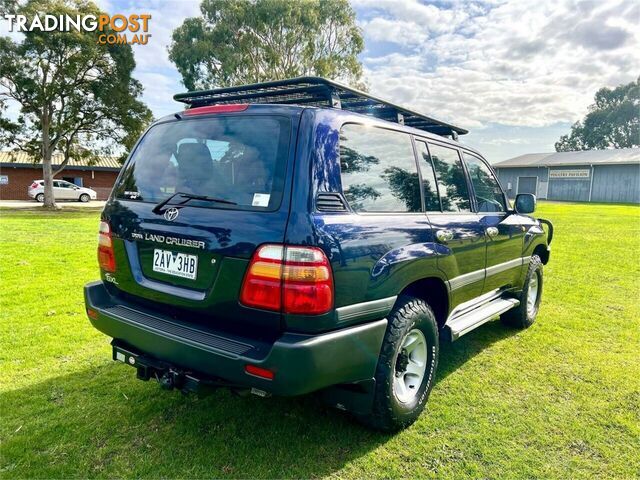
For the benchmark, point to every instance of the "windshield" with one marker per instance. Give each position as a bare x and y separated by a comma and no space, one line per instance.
241,159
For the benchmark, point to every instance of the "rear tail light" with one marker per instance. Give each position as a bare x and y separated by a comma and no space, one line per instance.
307,281
295,280
34,185
106,257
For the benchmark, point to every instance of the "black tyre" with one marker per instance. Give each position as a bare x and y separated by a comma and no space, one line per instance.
84,198
525,314
40,197
406,367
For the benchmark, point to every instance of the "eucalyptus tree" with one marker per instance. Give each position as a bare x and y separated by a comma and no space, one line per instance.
248,41
613,121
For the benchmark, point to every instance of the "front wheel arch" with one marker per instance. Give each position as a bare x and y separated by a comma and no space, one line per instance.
519,316
542,251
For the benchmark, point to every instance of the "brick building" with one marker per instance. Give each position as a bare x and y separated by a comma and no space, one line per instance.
18,171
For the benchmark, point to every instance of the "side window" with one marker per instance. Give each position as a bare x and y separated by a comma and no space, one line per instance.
488,194
56,184
378,170
429,186
452,183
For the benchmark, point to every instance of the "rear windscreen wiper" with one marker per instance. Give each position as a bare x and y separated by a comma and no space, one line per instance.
188,197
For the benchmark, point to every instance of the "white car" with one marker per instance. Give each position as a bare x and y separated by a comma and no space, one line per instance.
62,190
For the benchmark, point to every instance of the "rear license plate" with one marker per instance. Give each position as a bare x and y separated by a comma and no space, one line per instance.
176,264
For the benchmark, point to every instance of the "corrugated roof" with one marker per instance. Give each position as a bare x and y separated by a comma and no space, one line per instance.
24,159
582,157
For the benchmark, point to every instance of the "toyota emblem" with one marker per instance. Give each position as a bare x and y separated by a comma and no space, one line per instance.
171,214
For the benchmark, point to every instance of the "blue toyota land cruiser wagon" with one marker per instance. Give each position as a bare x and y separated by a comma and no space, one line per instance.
298,236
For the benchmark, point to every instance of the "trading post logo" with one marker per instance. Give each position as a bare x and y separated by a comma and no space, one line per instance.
115,29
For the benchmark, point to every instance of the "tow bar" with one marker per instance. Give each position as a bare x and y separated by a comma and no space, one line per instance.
170,377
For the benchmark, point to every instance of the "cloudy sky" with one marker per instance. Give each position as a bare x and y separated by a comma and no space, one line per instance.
517,74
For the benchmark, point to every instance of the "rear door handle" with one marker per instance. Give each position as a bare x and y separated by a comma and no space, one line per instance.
492,231
444,236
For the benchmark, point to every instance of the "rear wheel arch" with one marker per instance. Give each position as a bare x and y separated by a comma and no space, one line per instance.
433,291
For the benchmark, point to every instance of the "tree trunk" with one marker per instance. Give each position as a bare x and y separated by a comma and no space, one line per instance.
47,170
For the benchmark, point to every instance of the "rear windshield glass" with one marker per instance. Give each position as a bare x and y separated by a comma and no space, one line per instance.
240,159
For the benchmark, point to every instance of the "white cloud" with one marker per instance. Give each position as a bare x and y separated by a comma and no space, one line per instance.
396,31
507,141
511,63
419,15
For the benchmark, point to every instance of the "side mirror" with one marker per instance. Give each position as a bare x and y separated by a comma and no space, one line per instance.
525,203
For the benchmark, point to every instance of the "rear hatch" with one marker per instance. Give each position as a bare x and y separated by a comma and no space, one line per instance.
193,202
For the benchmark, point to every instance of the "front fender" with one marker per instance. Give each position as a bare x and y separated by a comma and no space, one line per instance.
550,229
537,240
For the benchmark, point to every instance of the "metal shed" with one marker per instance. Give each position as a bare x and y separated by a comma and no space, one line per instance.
583,176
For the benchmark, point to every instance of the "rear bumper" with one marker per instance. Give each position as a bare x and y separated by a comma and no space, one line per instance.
301,363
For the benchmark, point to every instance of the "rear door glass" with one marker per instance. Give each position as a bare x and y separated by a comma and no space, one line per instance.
241,159
452,181
429,186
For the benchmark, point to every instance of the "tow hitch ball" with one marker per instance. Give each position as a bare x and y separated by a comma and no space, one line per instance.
171,379
183,381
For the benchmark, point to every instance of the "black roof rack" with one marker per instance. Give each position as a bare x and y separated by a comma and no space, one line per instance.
320,92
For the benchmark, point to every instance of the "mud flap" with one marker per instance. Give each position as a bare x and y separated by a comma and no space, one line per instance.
353,397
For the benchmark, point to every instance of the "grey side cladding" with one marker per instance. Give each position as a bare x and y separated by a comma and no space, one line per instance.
374,309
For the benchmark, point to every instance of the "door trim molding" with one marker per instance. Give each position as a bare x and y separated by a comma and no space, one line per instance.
502,267
466,279
471,277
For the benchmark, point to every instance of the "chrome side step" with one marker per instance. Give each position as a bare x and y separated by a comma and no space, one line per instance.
459,325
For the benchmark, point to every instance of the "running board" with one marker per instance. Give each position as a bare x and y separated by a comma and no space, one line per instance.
466,322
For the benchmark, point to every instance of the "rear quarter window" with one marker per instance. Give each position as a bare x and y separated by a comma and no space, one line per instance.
240,158
378,170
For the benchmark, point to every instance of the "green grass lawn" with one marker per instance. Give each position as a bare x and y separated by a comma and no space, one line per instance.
561,399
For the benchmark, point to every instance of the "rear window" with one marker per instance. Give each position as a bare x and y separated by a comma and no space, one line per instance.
241,159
